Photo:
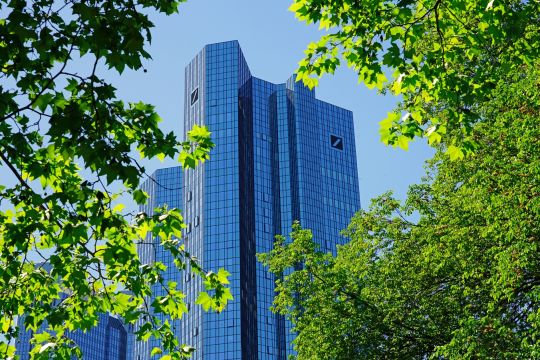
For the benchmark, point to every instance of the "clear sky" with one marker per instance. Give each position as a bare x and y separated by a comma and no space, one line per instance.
273,42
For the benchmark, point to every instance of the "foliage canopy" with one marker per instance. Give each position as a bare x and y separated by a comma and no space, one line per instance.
443,55
461,281
66,139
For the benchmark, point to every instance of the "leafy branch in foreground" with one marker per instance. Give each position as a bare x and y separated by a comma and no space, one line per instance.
461,281
444,57
67,140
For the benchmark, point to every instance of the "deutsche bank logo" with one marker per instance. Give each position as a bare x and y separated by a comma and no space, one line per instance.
336,142
194,96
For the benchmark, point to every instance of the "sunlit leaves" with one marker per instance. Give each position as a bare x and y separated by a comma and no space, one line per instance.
190,156
67,243
445,56
219,295
450,273
454,152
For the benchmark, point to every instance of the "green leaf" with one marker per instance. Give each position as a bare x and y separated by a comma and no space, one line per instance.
118,208
199,133
43,101
140,197
403,142
222,276
187,160
455,153
6,324
434,138
205,301
295,6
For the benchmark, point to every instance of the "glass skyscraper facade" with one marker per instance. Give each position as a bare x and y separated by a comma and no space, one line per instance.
165,189
105,341
281,155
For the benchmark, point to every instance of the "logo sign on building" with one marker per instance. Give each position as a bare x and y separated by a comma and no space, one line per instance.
336,142
194,96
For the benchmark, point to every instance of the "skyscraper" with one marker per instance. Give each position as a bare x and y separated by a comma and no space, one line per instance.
165,188
281,155
105,341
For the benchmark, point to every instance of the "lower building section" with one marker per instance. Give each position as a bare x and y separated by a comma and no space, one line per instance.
106,341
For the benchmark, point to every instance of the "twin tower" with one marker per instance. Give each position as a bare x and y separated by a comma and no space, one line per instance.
281,155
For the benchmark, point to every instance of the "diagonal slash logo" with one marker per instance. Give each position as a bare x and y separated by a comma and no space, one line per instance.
336,142
194,96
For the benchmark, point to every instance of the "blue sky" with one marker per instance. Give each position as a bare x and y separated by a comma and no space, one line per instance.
273,42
